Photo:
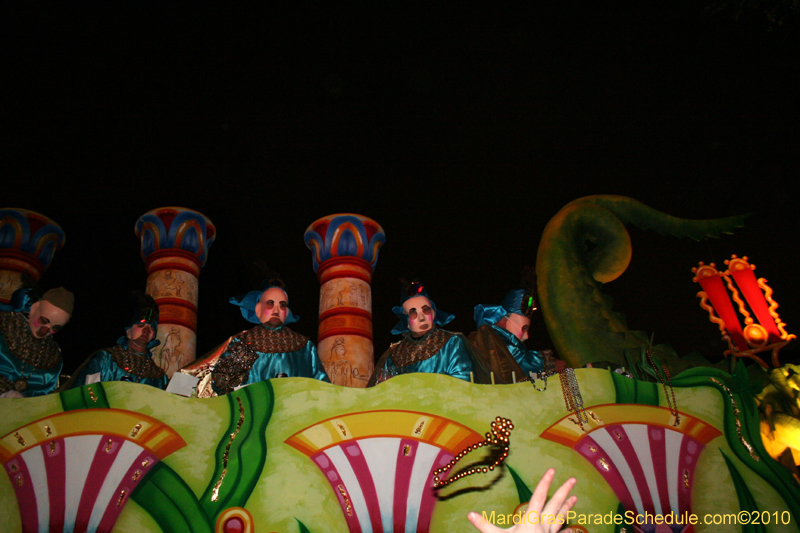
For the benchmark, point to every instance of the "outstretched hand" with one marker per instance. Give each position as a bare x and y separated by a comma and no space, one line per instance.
541,516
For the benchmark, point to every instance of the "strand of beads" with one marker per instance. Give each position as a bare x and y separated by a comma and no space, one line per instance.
572,395
667,384
736,412
498,436
543,376
548,370
674,405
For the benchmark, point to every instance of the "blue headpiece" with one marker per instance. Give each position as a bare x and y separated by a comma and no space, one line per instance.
518,301
23,298
412,290
146,313
248,302
21,301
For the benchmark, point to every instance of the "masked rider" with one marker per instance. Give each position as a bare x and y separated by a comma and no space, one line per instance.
498,344
269,350
131,358
425,346
30,360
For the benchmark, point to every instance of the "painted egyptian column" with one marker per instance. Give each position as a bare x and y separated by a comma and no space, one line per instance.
28,242
175,243
344,249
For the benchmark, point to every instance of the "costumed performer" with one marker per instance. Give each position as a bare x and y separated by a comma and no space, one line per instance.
30,360
425,347
498,344
269,350
131,358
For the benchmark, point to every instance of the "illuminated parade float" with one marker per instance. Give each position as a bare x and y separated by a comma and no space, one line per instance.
418,451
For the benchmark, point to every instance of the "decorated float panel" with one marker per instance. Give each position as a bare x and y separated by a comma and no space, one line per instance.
703,450
300,455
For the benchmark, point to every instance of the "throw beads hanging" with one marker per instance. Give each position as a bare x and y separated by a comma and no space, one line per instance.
669,391
498,436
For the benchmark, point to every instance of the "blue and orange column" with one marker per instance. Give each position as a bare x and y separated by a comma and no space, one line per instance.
28,242
344,250
175,243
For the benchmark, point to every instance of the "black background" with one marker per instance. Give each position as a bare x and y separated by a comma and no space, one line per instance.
460,129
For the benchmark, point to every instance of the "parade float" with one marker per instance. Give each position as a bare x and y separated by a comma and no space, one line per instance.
702,450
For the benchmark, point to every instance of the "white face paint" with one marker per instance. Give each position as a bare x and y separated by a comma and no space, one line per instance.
420,314
517,325
46,319
272,307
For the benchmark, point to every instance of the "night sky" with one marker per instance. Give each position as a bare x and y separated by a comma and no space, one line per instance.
461,130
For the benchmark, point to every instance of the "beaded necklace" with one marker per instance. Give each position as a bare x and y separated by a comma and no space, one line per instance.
669,392
498,438
21,383
572,395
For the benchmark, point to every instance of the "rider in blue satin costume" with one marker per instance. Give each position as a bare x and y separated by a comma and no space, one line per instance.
30,360
299,360
425,347
269,350
131,358
498,343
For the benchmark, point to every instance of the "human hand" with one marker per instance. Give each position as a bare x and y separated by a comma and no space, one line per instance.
558,506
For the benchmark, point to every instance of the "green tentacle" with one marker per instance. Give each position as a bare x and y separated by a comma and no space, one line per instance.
631,211
570,274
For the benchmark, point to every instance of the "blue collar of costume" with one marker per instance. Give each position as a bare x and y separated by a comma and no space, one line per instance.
247,305
510,337
441,319
491,314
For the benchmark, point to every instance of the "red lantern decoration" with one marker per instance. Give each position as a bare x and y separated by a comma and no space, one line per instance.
763,333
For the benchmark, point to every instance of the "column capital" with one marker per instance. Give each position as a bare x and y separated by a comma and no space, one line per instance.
175,243
178,230
28,239
344,235
344,248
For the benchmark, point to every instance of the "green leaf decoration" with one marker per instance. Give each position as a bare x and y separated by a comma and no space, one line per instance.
170,501
620,528
250,408
635,391
302,526
771,471
81,398
522,489
746,500
166,496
